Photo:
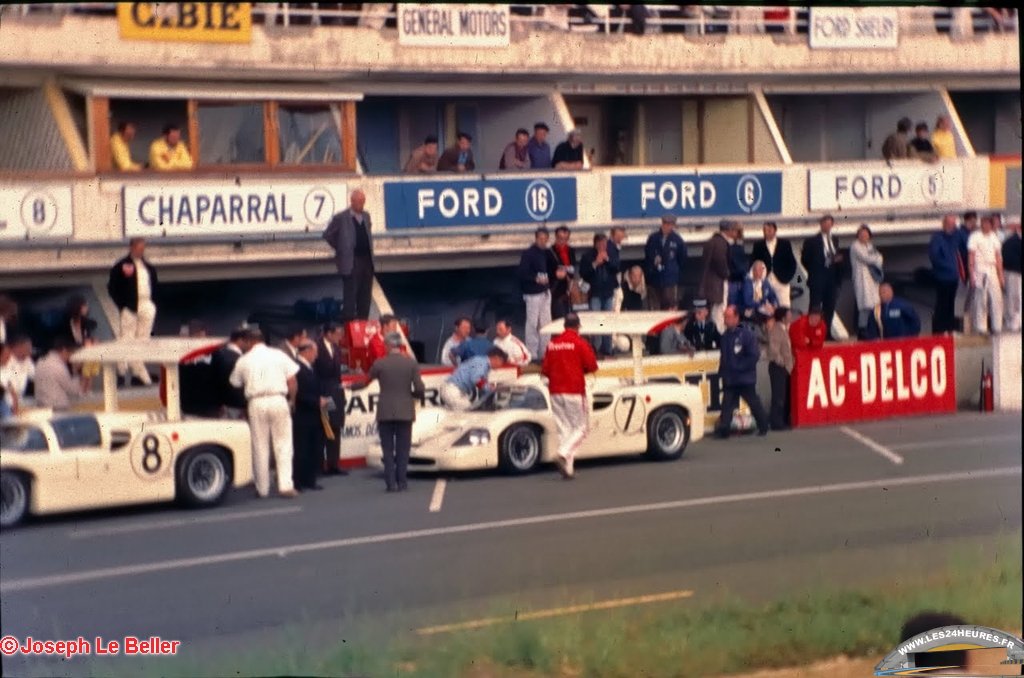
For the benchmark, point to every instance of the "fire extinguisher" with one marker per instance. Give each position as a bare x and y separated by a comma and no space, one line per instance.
986,401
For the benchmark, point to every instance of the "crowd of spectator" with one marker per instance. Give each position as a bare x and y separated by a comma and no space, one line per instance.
930,147
167,153
524,152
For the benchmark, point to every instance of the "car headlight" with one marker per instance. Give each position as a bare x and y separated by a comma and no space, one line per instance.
474,437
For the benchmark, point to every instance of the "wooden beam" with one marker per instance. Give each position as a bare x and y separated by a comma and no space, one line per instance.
62,115
348,135
271,133
751,111
193,131
99,132
700,130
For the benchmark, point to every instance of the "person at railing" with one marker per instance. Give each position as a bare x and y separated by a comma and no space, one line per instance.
1011,272
423,160
921,146
515,156
538,147
896,146
664,257
942,138
120,151
777,254
569,154
866,264
458,158
169,152
892,317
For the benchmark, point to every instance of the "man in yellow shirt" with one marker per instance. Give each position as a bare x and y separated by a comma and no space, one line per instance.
169,152
120,152
942,138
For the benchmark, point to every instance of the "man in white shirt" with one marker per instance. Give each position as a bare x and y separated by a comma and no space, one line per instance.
267,376
56,388
463,327
985,264
516,350
19,369
133,285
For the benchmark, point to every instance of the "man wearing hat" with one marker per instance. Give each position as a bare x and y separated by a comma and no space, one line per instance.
538,147
423,160
700,331
569,154
664,258
400,387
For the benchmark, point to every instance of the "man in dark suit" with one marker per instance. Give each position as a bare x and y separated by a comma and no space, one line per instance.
231,399
715,278
328,368
458,158
700,331
777,255
132,285
348,234
822,260
307,431
400,387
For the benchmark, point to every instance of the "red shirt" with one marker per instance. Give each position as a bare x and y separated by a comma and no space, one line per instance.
563,253
377,349
567,359
805,337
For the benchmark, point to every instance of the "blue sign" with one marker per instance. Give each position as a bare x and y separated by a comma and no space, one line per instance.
731,194
478,202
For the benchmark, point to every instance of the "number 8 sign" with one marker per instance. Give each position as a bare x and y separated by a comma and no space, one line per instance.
38,212
151,456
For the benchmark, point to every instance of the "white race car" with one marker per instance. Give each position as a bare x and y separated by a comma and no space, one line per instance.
71,461
512,428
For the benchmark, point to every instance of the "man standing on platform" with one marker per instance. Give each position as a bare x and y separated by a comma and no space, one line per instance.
348,234
665,257
537,272
822,259
738,369
132,285
949,269
777,254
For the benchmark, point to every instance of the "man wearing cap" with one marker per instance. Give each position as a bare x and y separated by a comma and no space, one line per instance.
664,258
538,269
515,156
538,147
458,158
568,360
400,387
470,377
700,331
307,430
807,333
569,154
737,367
267,376
423,160
714,281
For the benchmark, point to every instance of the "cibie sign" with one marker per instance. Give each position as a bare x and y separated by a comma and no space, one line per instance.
874,380
186,21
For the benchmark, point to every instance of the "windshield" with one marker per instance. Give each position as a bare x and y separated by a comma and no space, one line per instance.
20,438
507,397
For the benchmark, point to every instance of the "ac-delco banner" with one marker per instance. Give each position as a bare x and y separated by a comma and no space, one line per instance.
206,208
35,211
478,202
637,196
441,25
884,186
229,22
854,28
874,380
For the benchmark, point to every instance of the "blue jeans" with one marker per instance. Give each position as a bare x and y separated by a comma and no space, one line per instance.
602,344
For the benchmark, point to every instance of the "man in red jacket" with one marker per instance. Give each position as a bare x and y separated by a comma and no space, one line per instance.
568,358
808,331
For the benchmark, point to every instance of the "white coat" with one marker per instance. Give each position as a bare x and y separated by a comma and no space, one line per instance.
864,286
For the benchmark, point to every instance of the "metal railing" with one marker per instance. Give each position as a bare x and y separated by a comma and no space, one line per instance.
593,18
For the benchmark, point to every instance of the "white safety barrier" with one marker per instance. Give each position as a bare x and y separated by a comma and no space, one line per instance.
1006,372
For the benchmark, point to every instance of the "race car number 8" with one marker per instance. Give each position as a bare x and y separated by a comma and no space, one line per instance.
151,460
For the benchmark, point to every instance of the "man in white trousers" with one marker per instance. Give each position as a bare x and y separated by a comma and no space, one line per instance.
133,285
569,358
267,376
538,270
985,264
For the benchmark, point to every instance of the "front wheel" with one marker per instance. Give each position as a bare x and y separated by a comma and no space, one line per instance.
203,477
668,432
519,449
13,499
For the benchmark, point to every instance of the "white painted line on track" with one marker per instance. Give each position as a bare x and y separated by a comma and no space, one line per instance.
873,445
438,497
180,522
968,443
32,583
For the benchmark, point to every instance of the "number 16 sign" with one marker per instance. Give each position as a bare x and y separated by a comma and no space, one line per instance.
35,212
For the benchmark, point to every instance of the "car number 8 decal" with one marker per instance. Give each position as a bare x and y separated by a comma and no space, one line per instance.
151,460
147,458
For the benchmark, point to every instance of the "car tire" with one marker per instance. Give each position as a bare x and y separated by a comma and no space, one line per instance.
668,433
203,477
519,449
14,496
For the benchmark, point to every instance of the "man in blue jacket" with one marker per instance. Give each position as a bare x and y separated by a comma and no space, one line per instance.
948,270
664,256
893,318
737,368
537,273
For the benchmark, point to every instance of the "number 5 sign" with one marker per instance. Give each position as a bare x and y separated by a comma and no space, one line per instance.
35,212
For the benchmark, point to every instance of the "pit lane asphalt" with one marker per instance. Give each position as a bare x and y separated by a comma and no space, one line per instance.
755,517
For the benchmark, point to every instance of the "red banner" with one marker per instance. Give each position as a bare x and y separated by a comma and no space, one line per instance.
873,380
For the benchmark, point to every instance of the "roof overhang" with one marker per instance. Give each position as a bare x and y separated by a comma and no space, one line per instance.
158,350
215,91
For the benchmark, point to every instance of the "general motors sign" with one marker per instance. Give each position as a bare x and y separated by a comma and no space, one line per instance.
707,194
479,202
441,25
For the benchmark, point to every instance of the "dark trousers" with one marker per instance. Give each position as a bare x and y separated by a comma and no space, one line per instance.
730,401
357,291
824,292
395,442
780,395
307,442
944,317
332,448
560,306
